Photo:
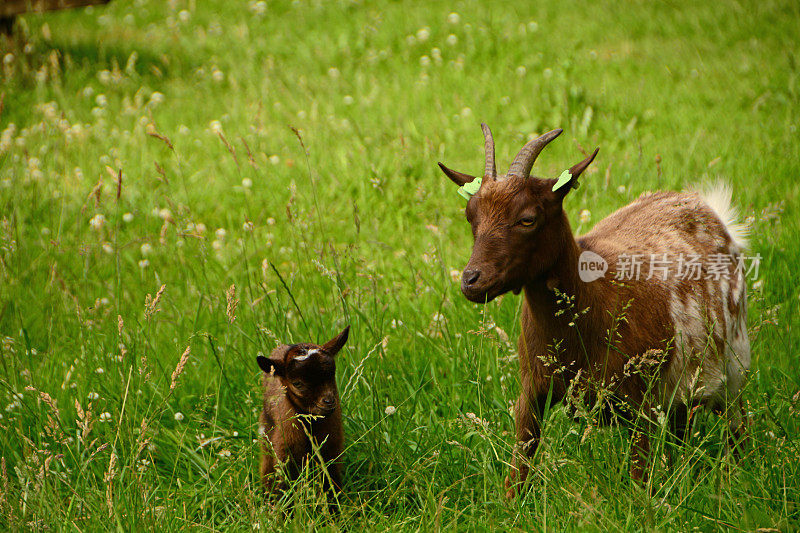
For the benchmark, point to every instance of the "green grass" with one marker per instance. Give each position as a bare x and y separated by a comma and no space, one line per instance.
362,228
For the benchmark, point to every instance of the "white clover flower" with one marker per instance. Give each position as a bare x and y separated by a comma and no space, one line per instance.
101,100
107,248
348,100
411,40
758,285
547,73
88,91
144,263
533,26
390,410
425,61
235,433
127,217
221,234
452,40
45,231
586,216
225,453
184,15
217,245
98,221
466,112
247,183
105,417
270,221
100,370
215,126
247,226
274,159
156,97
333,72
200,227
455,275
621,189
183,130
8,58
179,416
165,214
217,75
521,71
146,249
453,18
423,34
258,8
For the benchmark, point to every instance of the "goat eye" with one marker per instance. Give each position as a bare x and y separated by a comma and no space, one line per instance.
298,384
527,221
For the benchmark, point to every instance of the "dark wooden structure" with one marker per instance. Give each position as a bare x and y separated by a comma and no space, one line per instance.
11,8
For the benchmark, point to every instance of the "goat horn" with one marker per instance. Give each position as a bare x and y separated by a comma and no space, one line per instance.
523,163
491,169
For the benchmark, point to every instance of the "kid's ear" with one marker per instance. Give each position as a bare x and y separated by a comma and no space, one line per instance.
335,344
267,365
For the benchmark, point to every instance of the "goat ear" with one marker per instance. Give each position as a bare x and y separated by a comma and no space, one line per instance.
575,171
456,177
268,364
335,344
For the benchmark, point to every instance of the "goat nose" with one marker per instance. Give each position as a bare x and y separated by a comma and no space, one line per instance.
470,277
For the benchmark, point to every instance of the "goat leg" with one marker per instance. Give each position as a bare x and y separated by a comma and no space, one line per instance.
527,416
640,451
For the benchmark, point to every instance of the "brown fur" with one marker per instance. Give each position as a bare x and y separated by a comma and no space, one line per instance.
523,242
301,412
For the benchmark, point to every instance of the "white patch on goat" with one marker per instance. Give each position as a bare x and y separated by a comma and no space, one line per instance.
737,354
718,198
695,372
308,354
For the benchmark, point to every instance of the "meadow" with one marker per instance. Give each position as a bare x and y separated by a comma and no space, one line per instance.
199,181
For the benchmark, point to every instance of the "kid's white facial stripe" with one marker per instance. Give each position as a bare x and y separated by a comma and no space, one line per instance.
308,354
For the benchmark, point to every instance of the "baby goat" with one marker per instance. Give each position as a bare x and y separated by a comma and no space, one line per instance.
301,411
593,332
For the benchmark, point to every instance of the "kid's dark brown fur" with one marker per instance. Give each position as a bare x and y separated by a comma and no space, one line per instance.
301,412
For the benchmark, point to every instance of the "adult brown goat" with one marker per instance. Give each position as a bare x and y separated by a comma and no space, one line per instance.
590,319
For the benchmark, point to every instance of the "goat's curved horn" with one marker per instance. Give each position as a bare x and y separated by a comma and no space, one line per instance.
523,163
491,169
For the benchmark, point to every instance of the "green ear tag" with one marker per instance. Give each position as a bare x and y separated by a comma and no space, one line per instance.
563,179
469,189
